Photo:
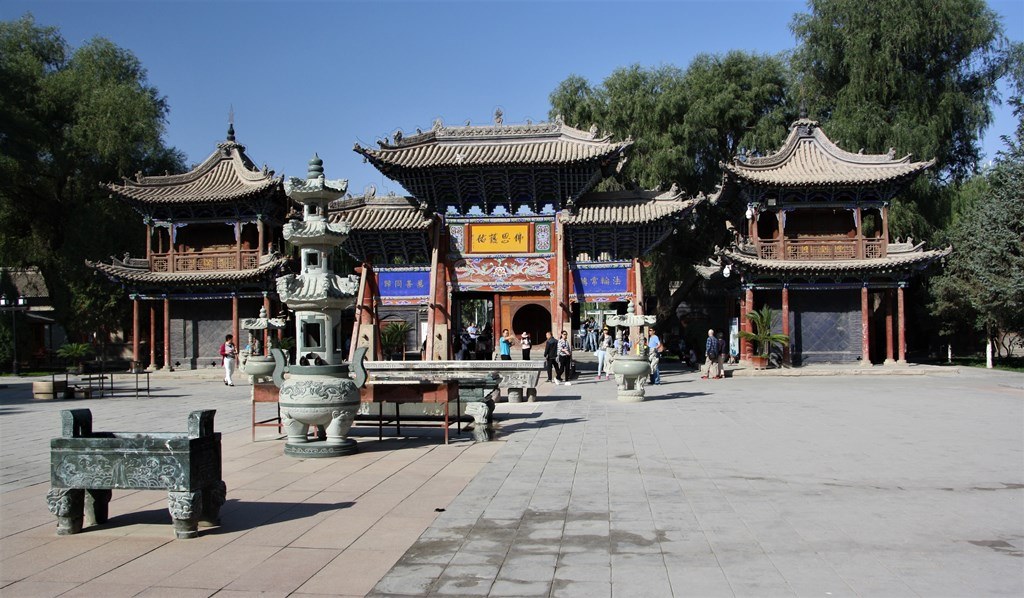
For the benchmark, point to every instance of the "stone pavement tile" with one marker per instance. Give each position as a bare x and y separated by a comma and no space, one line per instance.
510,587
479,557
223,566
689,580
353,572
431,551
284,571
602,573
107,590
412,580
169,592
339,530
392,531
40,589
641,581
466,580
11,546
252,594
94,563
163,562
581,589
534,567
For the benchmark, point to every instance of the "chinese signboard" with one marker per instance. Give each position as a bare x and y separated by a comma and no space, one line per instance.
601,281
403,284
498,238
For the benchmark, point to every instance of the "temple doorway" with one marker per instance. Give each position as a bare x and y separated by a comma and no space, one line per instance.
535,319
473,314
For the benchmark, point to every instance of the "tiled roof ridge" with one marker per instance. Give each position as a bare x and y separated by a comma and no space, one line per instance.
743,254
118,269
498,132
242,166
805,130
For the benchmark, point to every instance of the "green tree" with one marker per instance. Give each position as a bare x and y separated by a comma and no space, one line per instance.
69,120
685,123
982,289
916,75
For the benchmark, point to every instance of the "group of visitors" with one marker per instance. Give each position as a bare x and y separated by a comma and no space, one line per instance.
714,356
506,341
558,357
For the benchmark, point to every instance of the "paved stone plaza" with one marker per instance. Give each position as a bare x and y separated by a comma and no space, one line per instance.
757,486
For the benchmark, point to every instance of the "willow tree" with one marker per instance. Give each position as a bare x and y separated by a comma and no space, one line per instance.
915,75
685,123
72,118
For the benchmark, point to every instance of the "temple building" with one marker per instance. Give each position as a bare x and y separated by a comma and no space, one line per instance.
816,246
503,229
210,255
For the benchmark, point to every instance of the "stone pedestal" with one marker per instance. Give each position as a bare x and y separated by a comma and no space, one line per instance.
321,396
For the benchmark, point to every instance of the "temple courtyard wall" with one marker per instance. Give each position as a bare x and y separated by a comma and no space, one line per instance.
841,485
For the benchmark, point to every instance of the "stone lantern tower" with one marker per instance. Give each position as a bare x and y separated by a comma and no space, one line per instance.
318,391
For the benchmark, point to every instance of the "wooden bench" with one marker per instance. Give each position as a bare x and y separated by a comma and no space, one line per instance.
85,466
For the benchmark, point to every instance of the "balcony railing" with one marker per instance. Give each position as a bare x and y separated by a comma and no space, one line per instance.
204,261
821,249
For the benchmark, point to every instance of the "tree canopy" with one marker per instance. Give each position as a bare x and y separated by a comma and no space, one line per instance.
69,120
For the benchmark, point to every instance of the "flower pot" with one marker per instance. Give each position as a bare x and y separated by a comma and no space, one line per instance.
759,362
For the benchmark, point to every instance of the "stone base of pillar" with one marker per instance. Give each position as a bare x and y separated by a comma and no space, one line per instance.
890,362
901,362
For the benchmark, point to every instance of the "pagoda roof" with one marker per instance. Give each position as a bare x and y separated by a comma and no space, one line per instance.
809,158
900,257
136,271
371,213
551,144
629,207
226,175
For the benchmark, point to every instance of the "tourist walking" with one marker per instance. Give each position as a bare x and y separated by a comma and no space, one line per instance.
710,356
604,343
525,344
505,345
564,359
228,354
590,344
551,355
654,349
721,357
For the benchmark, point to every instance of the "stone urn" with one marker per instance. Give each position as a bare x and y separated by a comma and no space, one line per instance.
321,396
631,372
257,367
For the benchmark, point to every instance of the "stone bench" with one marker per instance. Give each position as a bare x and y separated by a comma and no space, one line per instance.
85,466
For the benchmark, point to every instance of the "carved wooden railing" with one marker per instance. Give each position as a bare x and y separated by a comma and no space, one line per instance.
821,249
204,261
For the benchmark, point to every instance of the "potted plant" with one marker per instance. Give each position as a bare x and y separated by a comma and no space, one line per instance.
392,339
763,337
76,353
287,345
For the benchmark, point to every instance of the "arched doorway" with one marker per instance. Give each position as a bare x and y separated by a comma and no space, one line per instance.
535,319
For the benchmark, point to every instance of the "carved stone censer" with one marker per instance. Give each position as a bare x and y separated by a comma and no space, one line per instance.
631,371
256,364
317,391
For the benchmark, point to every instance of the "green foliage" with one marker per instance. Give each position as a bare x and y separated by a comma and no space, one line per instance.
74,351
763,337
392,337
73,119
684,124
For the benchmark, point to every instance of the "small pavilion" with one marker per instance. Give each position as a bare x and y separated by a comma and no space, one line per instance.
211,234
815,244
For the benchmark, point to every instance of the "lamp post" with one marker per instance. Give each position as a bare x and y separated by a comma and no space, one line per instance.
14,306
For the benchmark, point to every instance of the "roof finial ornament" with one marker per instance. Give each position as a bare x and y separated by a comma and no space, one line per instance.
231,122
398,136
499,116
593,130
438,123
559,120
803,109
316,168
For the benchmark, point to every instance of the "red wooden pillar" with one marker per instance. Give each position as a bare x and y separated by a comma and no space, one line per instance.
497,322
152,335
438,323
865,345
167,333
785,321
746,349
901,316
135,331
234,321
888,326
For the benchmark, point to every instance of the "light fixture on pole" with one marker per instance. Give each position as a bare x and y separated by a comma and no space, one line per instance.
15,305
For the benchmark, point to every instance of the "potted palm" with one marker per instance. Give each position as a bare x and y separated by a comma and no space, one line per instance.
392,339
762,336
76,354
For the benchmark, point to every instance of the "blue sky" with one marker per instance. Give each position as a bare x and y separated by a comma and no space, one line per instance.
321,76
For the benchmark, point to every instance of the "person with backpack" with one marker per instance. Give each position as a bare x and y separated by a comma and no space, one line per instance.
710,356
564,359
722,348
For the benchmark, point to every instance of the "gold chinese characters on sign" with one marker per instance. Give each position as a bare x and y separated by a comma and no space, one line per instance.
498,238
